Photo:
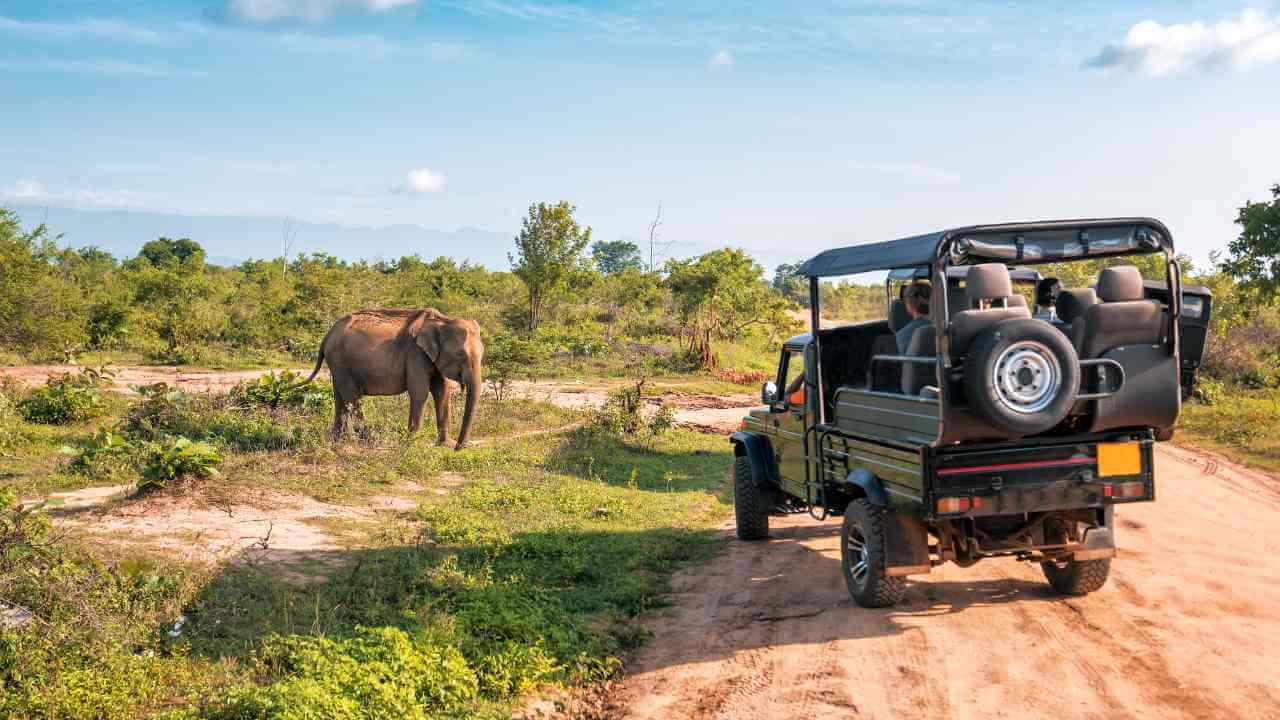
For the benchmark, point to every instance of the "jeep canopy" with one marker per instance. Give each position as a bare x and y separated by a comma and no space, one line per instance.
1021,243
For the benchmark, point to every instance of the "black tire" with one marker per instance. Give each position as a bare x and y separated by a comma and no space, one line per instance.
750,503
1077,577
864,524
1000,360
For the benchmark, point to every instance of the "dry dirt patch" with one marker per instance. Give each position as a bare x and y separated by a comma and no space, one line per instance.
205,528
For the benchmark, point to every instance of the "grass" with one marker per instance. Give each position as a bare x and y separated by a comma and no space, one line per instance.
533,571
1240,423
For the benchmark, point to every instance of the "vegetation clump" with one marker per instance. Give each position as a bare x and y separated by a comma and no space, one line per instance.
66,398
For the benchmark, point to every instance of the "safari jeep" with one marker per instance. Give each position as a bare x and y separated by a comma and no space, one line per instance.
998,432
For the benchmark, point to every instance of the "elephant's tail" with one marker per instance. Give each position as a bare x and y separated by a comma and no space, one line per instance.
316,371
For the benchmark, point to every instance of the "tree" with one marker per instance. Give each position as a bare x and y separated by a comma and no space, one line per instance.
548,251
1253,258
789,284
164,252
41,309
615,256
718,295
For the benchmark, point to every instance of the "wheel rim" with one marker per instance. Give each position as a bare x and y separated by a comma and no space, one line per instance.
1026,377
859,559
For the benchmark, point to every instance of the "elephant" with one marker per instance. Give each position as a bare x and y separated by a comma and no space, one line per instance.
387,351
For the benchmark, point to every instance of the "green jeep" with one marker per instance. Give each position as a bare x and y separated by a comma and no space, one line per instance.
996,431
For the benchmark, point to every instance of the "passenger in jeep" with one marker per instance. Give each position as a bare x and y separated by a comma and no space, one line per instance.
1047,291
916,299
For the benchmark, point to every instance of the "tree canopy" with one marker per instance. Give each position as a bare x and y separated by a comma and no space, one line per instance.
718,295
548,250
1253,258
615,256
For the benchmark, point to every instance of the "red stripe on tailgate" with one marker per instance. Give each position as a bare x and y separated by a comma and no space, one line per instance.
1073,460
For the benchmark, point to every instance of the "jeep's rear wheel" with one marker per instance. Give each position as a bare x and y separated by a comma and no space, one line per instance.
1077,577
750,504
862,555
1022,376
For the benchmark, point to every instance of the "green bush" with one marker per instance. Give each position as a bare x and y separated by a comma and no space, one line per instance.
173,458
377,673
280,391
10,433
100,455
92,649
66,398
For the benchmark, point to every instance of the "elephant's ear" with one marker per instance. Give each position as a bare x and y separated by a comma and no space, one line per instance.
426,332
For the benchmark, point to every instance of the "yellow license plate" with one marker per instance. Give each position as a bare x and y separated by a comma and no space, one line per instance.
1119,459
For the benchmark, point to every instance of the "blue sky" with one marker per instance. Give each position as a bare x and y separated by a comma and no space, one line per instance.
783,128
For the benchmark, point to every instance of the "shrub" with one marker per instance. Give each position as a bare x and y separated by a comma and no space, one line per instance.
100,454
66,398
166,410
10,434
279,391
376,673
177,458
1248,353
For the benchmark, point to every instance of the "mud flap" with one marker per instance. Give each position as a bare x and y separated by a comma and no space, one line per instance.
906,543
1099,542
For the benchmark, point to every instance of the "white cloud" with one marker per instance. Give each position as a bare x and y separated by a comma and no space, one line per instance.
31,191
723,58
370,45
1149,48
98,67
909,170
89,27
28,190
422,180
310,11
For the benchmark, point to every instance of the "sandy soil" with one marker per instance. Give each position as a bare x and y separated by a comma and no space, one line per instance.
129,376
1187,627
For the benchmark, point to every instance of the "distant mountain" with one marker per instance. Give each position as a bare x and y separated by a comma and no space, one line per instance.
229,240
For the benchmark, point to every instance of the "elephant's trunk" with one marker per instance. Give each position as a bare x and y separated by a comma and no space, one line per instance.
472,381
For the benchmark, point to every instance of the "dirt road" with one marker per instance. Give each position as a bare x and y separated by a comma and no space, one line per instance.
1188,626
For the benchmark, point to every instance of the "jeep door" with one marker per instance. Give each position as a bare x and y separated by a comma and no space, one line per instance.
789,419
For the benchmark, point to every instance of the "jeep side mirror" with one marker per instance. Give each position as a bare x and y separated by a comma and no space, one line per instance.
769,393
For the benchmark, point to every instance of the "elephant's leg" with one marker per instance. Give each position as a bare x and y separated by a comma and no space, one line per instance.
357,415
339,418
441,396
417,401
346,399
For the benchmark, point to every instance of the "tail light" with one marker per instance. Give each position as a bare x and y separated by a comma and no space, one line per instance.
949,505
1128,490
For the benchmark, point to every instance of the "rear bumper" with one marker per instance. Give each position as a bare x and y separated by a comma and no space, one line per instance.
1075,494
1073,474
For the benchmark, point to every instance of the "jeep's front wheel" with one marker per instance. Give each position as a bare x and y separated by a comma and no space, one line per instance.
862,554
750,504
1077,577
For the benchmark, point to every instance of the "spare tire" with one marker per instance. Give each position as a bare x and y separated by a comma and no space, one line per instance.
1021,376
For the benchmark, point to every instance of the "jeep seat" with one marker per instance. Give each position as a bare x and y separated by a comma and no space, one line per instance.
898,315
1122,317
1072,305
918,377
989,281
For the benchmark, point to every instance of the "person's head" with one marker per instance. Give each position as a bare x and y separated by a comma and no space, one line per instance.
1047,291
916,298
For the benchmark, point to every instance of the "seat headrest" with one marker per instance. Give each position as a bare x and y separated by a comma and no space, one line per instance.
898,315
1119,284
1072,303
986,282
1016,300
